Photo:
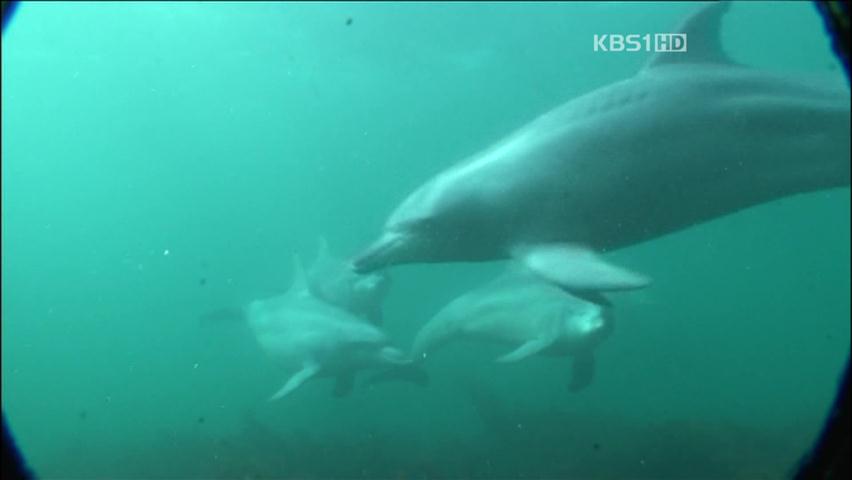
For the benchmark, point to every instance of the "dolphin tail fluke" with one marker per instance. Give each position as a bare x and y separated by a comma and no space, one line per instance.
582,371
308,370
577,269
530,348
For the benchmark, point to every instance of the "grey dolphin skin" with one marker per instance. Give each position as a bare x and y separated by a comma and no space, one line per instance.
331,280
692,137
531,315
311,338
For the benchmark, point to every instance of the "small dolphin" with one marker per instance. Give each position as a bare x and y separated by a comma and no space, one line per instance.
312,338
333,280
692,137
524,311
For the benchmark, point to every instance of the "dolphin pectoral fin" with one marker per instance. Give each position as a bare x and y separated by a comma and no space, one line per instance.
308,370
343,384
582,371
577,269
530,348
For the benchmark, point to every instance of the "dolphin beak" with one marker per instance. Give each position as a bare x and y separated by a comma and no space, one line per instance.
382,253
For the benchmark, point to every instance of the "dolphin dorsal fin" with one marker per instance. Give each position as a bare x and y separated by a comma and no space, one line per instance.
299,285
703,38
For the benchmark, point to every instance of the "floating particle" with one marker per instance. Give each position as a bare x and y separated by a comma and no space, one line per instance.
348,21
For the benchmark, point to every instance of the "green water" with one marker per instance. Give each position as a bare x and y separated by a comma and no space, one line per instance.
164,160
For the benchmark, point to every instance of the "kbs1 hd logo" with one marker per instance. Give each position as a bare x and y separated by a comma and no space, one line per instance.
658,42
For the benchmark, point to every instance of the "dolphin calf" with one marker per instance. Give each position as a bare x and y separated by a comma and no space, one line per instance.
692,137
532,315
312,338
333,281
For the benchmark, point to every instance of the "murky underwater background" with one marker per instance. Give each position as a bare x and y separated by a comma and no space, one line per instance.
164,160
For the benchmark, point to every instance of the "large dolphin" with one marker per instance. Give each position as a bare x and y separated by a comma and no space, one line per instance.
310,338
531,315
332,280
693,136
